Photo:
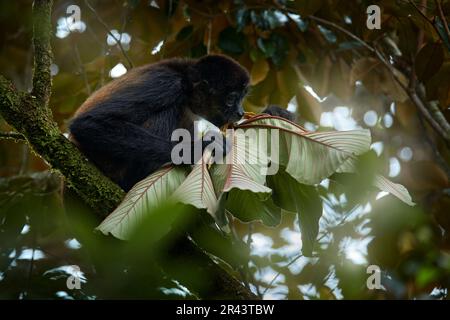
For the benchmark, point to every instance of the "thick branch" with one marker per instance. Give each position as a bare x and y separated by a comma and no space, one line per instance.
25,114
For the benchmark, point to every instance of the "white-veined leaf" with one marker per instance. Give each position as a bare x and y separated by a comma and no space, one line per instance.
312,156
198,190
244,168
395,189
141,199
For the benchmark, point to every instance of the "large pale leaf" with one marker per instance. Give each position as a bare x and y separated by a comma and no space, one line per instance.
312,156
141,199
244,169
395,189
198,190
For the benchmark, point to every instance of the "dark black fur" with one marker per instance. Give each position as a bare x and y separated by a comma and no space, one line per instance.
275,110
125,127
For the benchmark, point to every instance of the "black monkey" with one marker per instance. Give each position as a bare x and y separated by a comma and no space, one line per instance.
125,127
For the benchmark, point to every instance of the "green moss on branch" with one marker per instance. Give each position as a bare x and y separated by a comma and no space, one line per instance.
23,112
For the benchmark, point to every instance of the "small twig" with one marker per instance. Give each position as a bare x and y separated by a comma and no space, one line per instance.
42,33
422,13
343,30
437,154
435,112
433,115
204,14
81,68
12,136
279,273
421,106
108,30
442,16
421,36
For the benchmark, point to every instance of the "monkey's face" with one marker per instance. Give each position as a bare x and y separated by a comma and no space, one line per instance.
228,106
232,109
223,86
219,106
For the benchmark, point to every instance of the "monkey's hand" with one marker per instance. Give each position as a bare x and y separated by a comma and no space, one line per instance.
218,142
274,110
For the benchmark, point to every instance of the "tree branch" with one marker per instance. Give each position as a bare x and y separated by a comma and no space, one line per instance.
443,19
430,21
27,116
432,114
12,136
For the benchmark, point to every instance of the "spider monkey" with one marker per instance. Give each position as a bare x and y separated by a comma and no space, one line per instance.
125,127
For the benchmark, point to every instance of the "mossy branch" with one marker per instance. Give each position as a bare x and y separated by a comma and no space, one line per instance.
14,136
30,115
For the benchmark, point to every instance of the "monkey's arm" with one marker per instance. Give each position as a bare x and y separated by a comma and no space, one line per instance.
274,110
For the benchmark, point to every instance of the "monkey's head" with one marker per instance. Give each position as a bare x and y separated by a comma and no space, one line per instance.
219,86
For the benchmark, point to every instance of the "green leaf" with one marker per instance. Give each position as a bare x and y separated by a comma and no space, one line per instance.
310,157
442,32
247,207
429,60
231,41
139,202
244,168
185,33
303,199
275,47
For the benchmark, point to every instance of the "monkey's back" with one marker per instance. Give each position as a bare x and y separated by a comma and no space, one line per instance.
136,80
